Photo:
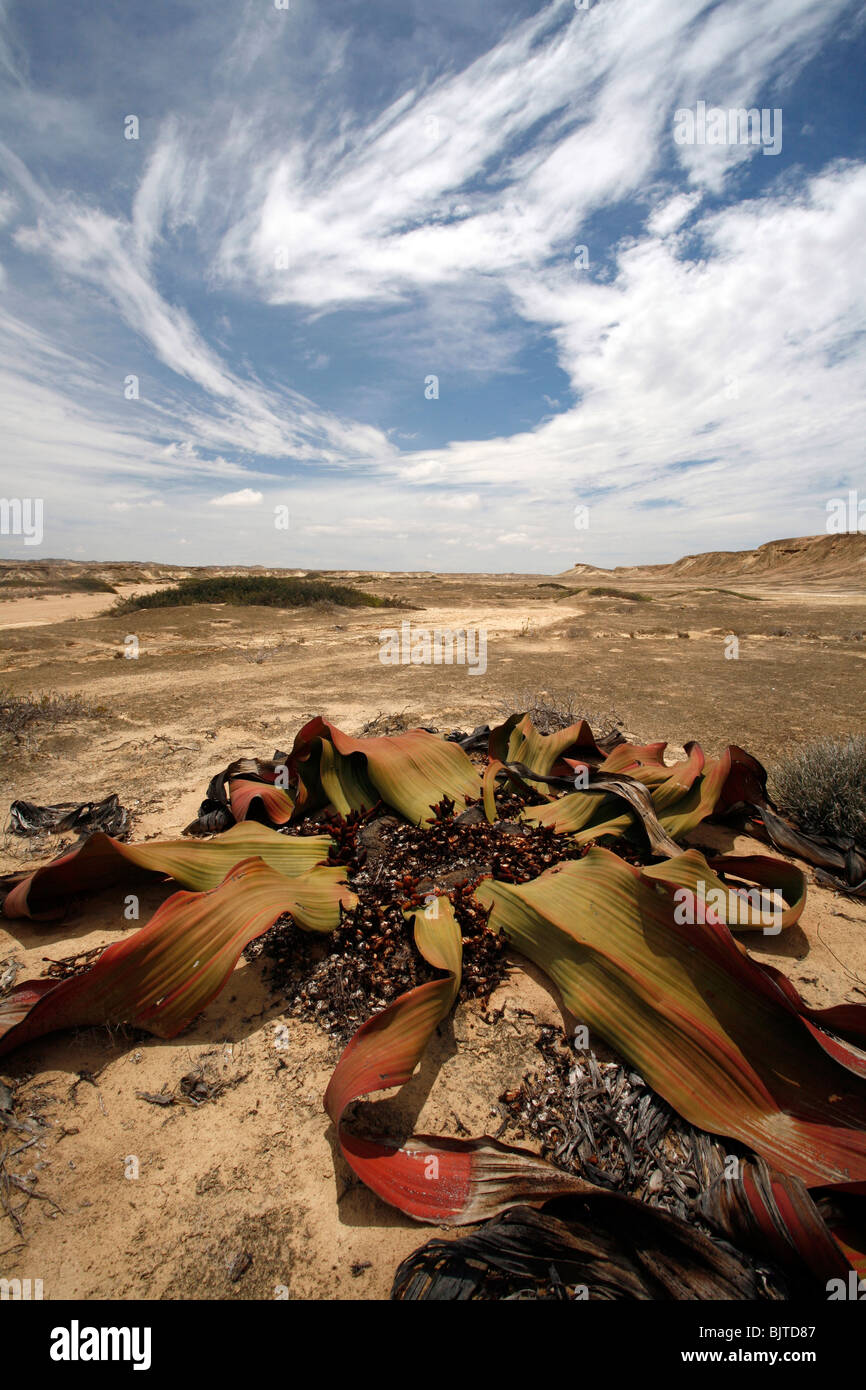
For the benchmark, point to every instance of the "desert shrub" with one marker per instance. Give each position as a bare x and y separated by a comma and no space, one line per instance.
606,591
598,591
241,589
81,584
85,584
730,593
20,712
550,710
822,786
385,723
88,584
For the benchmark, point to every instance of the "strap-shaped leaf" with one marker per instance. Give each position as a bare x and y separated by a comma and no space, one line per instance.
410,772
714,1032
170,969
518,741
772,1212
738,907
197,864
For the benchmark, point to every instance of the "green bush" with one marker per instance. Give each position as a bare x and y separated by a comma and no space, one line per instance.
822,786
270,592
81,584
605,591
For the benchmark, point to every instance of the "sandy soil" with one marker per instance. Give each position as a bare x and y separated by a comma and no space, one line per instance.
42,609
256,1170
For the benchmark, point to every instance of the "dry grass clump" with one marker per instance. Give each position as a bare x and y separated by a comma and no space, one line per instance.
551,710
387,724
822,786
18,713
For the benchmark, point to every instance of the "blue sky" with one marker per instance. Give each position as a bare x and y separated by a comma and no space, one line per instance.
329,204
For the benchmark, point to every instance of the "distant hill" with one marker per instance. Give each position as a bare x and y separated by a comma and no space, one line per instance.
835,557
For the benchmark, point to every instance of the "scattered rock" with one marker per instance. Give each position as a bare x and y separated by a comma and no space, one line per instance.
239,1265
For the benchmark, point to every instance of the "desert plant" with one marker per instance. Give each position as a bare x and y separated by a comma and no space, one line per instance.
20,712
725,1041
80,584
606,591
386,724
551,710
822,786
269,591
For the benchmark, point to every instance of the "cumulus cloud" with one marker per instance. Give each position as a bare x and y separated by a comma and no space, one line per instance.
132,506
460,502
246,497
668,216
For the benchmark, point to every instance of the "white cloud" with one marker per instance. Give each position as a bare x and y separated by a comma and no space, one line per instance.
667,217
246,497
8,207
460,502
132,506
104,252
599,94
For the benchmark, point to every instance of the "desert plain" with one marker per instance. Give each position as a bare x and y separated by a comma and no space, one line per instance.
764,649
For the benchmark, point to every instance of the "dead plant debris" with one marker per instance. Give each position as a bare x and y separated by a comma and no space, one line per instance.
603,1122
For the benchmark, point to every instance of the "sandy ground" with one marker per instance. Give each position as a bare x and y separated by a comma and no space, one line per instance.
256,1171
43,609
